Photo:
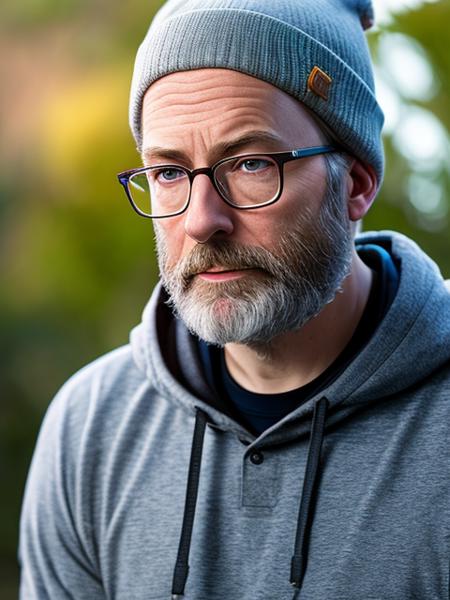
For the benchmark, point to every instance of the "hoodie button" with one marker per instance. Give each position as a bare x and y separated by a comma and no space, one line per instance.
257,458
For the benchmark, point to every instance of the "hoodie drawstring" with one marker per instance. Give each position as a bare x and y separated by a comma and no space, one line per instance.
180,574
306,511
305,515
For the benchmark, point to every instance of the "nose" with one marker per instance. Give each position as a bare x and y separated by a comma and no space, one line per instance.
207,214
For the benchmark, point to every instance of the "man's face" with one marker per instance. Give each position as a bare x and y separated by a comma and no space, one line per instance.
243,276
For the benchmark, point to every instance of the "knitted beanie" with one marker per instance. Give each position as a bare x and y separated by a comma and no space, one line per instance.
315,50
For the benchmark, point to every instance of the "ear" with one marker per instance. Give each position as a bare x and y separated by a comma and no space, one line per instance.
362,187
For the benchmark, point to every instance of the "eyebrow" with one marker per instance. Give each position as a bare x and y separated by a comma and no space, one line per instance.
219,150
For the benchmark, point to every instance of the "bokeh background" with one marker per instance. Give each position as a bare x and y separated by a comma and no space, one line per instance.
76,263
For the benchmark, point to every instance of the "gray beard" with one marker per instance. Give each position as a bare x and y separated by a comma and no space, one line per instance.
292,285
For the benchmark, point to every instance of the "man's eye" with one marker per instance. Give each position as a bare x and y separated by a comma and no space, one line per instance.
168,175
253,165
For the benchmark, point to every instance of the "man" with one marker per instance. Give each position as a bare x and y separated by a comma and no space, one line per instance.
278,427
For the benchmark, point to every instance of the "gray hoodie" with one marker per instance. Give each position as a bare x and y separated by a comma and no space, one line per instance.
139,471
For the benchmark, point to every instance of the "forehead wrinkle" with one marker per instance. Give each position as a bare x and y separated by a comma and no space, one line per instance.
172,86
190,112
170,96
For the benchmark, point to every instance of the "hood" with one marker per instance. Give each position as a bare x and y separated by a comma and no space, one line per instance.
411,342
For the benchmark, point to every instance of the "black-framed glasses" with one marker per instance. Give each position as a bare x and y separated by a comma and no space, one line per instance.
244,182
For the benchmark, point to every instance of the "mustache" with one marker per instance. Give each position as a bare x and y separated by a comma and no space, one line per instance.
229,256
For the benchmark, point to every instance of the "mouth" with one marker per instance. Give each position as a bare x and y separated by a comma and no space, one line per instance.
221,274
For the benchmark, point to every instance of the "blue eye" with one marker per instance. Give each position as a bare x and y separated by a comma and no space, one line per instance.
253,165
168,175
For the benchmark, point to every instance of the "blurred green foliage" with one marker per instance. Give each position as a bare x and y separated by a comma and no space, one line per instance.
76,264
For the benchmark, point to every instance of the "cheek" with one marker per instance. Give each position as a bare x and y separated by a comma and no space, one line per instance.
307,177
302,197
172,240
306,186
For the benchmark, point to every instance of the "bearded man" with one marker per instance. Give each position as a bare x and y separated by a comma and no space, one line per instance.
278,426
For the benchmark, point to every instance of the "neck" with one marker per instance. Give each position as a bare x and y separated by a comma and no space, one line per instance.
295,358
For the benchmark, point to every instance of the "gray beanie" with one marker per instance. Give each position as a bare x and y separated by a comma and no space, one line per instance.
315,50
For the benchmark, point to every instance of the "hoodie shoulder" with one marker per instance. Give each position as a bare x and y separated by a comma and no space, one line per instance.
111,363
108,376
95,397
75,442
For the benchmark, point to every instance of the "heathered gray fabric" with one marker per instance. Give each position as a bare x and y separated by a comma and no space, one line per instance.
279,42
105,495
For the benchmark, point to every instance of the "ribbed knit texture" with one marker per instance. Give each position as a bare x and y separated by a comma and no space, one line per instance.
280,42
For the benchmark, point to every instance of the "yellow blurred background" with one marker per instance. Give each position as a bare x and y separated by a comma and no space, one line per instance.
76,263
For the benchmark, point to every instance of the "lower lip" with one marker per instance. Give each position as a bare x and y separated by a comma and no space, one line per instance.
222,275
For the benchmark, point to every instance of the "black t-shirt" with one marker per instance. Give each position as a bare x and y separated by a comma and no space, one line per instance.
258,412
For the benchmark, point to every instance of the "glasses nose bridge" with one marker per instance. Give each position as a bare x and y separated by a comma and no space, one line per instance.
208,171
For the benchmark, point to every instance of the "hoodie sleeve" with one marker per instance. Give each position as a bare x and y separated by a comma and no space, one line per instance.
57,558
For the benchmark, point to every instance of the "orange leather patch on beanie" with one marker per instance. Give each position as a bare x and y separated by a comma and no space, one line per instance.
319,82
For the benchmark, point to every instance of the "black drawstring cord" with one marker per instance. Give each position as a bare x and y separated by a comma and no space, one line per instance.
305,515
299,559
180,573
